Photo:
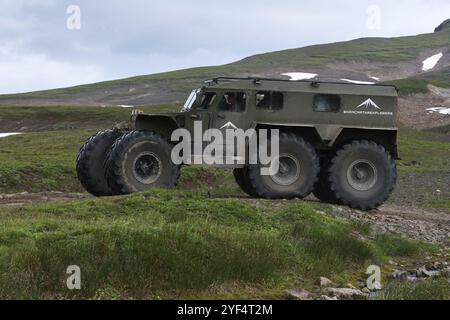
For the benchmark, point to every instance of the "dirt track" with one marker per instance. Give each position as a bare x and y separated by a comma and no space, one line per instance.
24,198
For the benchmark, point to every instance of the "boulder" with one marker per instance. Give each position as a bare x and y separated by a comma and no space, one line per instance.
446,272
366,290
298,294
422,272
398,275
325,282
345,293
327,298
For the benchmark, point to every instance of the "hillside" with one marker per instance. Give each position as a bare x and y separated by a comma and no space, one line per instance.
361,59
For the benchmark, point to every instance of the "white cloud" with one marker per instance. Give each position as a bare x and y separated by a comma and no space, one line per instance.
125,38
32,72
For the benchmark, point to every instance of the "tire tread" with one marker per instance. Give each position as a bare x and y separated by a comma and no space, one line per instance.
113,162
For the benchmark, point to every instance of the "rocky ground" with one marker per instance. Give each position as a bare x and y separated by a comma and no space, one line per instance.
327,290
417,223
413,109
430,225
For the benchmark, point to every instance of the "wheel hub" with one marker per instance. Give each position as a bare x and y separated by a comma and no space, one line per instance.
147,167
289,170
362,175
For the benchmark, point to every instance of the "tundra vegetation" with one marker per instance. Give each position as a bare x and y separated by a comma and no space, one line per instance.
203,239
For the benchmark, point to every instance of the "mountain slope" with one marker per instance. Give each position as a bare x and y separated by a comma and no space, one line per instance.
364,59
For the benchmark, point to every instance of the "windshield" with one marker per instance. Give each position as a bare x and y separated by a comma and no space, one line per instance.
190,100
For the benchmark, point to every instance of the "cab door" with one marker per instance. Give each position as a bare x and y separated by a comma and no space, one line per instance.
231,114
200,121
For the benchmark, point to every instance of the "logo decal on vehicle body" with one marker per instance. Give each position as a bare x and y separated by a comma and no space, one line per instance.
367,104
229,125
369,107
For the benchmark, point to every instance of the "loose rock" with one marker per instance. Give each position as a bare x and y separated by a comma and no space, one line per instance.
366,290
422,272
325,282
298,294
345,293
398,275
327,298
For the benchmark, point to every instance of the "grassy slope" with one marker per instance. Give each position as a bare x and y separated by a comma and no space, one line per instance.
165,244
423,151
60,118
419,84
371,49
366,49
438,289
424,168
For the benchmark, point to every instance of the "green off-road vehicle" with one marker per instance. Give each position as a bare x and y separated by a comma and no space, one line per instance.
336,140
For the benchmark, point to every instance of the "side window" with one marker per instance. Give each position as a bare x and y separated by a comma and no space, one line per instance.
269,100
277,100
207,100
233,102
327,103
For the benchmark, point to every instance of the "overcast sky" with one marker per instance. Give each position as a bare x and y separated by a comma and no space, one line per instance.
47,44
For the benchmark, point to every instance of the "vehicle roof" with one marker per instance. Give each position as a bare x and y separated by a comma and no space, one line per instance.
232,83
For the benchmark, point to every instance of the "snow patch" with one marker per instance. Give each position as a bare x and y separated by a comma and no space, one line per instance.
431,62
125,106
300,75
357,82
441,110
4,135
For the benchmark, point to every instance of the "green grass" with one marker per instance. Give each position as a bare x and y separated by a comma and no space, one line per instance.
399,246
372,49
168,244
63,118
37,162
439,204
443,130
423,151
328,244
438,289
415,86
424,168
410,86
419,84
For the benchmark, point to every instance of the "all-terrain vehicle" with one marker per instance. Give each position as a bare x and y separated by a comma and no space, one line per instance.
336,140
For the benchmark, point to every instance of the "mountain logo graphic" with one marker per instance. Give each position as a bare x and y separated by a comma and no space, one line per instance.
368,104
229,125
